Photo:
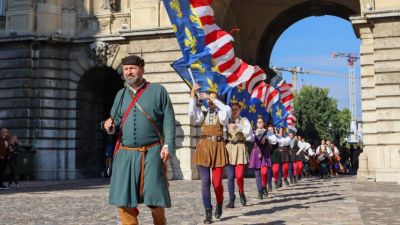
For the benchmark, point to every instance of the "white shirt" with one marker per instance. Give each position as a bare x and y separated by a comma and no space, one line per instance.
224,112
243,124
304,147
283,141
270,136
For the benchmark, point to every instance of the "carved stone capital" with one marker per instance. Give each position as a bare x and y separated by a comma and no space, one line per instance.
101,52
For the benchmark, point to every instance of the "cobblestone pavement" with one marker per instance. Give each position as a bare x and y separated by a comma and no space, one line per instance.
339,200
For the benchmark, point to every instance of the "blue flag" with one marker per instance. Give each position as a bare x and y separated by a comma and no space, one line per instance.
208,80
252,108
279,115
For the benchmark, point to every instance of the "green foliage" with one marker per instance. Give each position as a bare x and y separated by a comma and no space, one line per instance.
318,116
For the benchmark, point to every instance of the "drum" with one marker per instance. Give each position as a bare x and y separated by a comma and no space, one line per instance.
321,158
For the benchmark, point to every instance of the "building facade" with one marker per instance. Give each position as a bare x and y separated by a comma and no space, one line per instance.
60,68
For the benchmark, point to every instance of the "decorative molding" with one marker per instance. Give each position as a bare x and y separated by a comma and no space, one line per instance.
101,52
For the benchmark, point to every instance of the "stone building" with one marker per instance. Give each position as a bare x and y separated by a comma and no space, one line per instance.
60,69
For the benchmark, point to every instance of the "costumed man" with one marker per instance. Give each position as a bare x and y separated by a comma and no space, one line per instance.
210,151
142,114
283,151
5,149
302,153
330,157
295,159
239,131
322,156
260,157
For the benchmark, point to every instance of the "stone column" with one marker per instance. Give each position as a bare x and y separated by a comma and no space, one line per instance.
387,89
380,72
367,162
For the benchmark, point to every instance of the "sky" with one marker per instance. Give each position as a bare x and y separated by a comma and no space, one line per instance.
309,43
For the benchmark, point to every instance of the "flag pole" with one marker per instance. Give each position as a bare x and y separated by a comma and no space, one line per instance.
191,75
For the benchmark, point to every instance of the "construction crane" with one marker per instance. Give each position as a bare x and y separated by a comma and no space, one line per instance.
351,59
295,71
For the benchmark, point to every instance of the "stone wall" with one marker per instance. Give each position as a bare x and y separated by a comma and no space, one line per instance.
379,30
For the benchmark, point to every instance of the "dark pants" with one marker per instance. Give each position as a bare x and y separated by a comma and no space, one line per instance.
2,169
291,170
11,164
206,185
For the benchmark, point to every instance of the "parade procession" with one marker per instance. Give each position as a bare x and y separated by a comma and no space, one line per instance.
188,112
246,117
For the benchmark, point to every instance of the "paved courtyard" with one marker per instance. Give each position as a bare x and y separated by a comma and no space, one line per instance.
339,200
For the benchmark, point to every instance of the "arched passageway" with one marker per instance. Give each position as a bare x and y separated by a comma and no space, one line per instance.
96,91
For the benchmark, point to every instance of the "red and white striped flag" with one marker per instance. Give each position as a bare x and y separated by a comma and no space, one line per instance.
220,44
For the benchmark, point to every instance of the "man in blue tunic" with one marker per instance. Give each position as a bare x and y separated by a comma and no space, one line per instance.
143,115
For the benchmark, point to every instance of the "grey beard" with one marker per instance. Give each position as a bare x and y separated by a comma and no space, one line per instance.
130,81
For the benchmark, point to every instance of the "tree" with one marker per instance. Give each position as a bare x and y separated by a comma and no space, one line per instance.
318,115
344,126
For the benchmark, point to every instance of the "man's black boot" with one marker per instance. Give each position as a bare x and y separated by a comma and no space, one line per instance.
208,219
260,195
243,199
286,182
218,211
265,192
231,203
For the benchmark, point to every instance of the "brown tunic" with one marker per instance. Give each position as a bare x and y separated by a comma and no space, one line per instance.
211,153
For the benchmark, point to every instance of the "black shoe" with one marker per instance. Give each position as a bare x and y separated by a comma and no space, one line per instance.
265,192
291,180
294,180
208,219
243,199
299,177
231,203
286,182
276,185
218,211
260,195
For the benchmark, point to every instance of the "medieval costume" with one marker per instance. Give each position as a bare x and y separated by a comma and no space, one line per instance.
145,128
238,157
323,160
260,158
280,160
210,152
295,160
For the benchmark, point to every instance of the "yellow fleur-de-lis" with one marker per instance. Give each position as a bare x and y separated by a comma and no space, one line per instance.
215,67
233,99
239,89
279,112
243,105
190,41
213,86
194,18
174,28
198,66
252,109
176,6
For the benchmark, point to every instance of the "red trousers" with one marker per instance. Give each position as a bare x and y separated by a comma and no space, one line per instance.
300,167
264,175
275,170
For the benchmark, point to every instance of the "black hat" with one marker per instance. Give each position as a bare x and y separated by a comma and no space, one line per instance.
133,60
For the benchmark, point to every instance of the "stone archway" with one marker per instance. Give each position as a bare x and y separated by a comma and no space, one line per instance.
96,91
292,15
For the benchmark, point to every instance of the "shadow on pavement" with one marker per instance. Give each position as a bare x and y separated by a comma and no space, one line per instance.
49,186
